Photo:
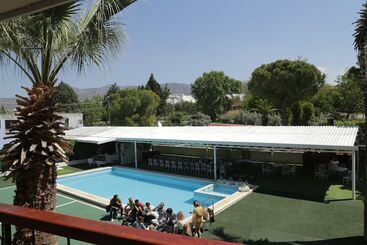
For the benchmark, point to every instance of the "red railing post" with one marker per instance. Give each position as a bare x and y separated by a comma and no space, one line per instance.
5,234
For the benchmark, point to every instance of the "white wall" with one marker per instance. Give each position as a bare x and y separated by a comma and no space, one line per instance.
75,120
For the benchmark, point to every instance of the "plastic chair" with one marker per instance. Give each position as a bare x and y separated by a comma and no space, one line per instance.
155,163
267,169
167,165
209,169
150,163
161,163
173,165
321,174
197,168
203,167
348,178
179,166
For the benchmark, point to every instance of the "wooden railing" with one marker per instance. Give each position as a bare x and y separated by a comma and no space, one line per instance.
86,230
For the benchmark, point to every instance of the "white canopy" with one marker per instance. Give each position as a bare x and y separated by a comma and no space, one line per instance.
303,138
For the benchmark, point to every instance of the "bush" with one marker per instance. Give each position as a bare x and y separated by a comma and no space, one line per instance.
348,122
176,119
230,117
249,118
199,119
274,120
308,113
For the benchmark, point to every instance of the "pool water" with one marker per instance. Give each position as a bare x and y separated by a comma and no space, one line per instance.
176,192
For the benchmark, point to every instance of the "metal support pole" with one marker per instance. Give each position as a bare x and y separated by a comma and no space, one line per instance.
136,155
215,162
357,165
354,175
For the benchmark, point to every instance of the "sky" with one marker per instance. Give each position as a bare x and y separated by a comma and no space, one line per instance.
178,40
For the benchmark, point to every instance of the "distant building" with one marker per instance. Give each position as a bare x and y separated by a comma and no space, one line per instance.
179,98
72,120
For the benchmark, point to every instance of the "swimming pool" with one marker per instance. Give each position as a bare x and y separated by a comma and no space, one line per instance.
176,192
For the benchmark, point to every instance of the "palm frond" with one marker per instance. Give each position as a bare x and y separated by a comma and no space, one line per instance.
360,32
96,36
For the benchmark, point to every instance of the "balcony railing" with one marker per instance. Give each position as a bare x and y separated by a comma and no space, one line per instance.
85,230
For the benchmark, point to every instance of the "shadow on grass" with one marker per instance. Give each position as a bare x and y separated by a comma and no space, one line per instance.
220,233
107,217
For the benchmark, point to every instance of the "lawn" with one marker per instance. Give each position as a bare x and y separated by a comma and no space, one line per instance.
268,219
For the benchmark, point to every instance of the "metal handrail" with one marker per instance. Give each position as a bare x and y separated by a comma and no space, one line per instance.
86,230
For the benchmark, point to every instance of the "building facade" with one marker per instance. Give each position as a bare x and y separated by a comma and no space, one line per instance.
72,120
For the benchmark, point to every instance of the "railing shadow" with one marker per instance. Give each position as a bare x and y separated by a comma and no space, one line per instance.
220,233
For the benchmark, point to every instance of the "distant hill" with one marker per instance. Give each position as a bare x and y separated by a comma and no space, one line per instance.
176,88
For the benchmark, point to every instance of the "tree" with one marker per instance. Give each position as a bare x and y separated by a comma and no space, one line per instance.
360,44
265,109
66,96
186,106
134,107
296,111
213,92
40,45
163,93
113,89
92,111
106,102
324,100
2,110
349,94
285,82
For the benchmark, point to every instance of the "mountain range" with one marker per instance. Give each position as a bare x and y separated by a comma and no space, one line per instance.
175,88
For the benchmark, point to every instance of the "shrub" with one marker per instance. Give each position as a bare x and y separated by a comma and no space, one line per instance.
230,116
348,122
308,113
274,119
199,119
249,118
176,119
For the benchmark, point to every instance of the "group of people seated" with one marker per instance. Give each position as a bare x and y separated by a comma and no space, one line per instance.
148,217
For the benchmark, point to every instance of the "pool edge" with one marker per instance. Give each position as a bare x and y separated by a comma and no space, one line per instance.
103,202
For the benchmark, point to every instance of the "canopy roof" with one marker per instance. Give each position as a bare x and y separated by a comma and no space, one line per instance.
299,138
14,8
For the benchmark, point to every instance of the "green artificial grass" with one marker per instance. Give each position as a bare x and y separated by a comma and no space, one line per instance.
267,219
5,183
68,170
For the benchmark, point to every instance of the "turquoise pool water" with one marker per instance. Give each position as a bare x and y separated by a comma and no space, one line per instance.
175,192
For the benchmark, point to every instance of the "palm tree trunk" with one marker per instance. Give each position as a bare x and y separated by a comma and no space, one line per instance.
36,188
32,156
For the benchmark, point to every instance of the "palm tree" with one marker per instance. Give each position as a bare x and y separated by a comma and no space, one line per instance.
265,109
40,46
360,44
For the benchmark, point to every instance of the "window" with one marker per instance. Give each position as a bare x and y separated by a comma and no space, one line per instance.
10,123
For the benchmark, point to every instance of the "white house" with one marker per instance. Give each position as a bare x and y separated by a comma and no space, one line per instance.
72,120
179,98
